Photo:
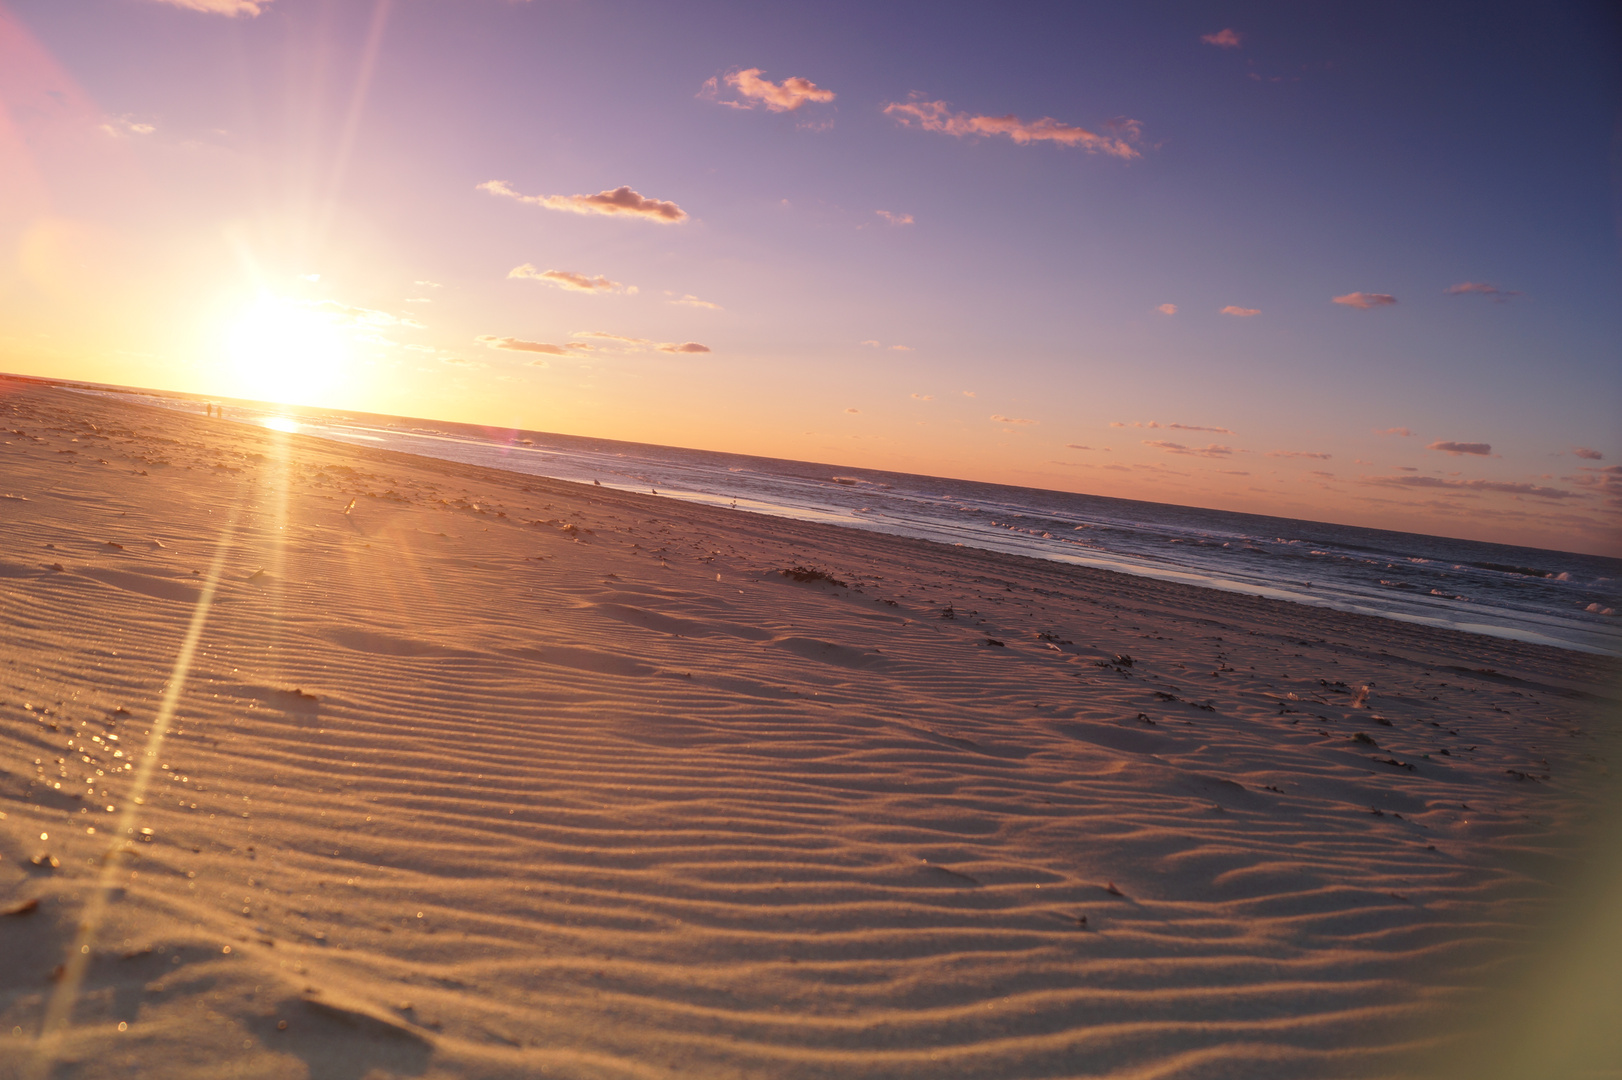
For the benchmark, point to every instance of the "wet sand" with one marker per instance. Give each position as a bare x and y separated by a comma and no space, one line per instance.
474,774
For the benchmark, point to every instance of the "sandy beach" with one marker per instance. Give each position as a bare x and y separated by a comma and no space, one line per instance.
478,775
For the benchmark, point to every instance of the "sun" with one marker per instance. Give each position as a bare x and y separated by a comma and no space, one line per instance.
288,350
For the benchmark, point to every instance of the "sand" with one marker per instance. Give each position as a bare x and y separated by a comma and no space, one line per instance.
479,775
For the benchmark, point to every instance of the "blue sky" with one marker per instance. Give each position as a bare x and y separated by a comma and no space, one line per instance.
244,204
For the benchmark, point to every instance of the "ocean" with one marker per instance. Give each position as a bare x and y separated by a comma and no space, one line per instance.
1528,594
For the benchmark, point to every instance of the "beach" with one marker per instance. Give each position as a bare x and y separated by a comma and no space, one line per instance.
468,773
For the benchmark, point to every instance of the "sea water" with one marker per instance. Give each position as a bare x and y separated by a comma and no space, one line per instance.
1527,594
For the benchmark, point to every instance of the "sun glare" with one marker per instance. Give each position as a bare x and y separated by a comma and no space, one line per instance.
284,350
280,423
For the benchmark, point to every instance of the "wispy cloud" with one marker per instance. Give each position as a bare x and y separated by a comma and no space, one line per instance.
853,411
617,202
1001,419
1212,451
1456,448
786,96
512,344
1363,301
120,126
249,8
923,397
871,344
1076,446
567,279
1504,487
1480,288
1404,432
1242,312
1314,455
358,317
970,393
623,343
1156,424
938,116
1167,309
424,284
1226,38
1588,454
692,301
895,219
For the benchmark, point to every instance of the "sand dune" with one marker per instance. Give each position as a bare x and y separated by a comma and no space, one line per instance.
494,776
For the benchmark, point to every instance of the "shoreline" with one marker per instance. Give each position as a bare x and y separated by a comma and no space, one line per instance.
1116,561
476,773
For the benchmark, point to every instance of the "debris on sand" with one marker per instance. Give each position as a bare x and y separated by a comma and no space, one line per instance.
807,573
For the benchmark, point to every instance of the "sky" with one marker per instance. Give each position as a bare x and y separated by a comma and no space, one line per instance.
1353,263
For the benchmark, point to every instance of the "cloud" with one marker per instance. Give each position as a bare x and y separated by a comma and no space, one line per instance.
1212,451
1076,446
1156,424
1167,309
786,96
692,301
1456,448
424,284
1226,38
923,397
1001,419
1404,432
1588,455
1500,486
853,411
358,316
634,344
1480,288
512,344
1242,312
566,279
1299,454
970,393
895,219
620,201
901,348
1363,301
249,8
937,116
120,126
1233,472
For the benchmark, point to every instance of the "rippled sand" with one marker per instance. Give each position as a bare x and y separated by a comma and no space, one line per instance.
477,775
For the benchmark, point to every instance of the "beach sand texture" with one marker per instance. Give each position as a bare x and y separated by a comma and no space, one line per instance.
475,774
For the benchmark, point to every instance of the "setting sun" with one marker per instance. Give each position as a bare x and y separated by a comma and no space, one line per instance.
288,350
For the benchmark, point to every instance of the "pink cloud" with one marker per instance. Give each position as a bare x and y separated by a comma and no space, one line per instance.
249,8
1588,455
1499,486
1226,38
1404,432
1156,424
1212,451
617,202
1363,301
1001,419
937,116
1456,448
1480,288
692,301
1076,446
1299,454
566,279
895,219
1242,312
512,344
853,411
1167,309
684,347
923,397
786,96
